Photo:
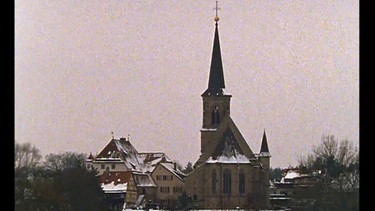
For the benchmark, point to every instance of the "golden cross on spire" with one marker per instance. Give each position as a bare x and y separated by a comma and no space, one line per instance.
217,9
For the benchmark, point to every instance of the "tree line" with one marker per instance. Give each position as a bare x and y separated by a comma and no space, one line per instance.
60,182
336,164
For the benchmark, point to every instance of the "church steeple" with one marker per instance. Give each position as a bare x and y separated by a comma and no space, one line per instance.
216,103
216,79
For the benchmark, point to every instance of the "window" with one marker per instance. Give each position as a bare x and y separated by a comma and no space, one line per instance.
215,116
213,181
241,184
102,166
164,189
177,189
88,166
164,177
227,182
113,166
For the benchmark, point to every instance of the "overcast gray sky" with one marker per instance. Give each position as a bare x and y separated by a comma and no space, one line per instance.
86,68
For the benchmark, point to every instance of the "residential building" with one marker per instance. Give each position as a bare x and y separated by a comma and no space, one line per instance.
170,183
119,187
296,189
128,177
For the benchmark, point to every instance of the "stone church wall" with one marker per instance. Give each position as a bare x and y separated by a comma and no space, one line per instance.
208,197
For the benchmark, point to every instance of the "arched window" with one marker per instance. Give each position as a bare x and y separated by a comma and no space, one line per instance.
227,182
241,184
213,181
216,116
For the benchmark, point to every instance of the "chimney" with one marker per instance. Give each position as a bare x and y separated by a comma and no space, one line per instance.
175,165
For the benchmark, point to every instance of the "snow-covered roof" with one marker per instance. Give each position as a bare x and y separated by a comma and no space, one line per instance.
149,160
143,180
209,129
292,174
264,154
121,150
145,157
235,158
114,188
130,157
175,172
112,160
117,177
115,182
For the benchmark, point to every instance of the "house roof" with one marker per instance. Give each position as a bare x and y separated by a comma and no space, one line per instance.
119,177
180,175
115,182
143,180
146,157
123,149
112,188
149,160
294,174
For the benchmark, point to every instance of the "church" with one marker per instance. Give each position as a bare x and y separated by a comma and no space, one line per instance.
227,174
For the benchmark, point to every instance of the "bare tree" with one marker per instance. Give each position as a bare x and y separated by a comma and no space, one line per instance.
26,156
337,160
337,165
59,162
26,159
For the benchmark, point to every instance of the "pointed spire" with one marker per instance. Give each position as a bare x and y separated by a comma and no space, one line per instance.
216,80
264,147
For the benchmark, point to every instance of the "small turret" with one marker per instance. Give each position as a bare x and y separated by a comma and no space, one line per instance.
264,158
264,151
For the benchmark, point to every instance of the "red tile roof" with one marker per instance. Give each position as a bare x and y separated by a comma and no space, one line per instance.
116,177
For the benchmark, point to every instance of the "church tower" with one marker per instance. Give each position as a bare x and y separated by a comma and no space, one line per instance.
216,103
227,174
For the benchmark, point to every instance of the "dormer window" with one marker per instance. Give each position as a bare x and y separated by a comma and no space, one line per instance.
216,116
